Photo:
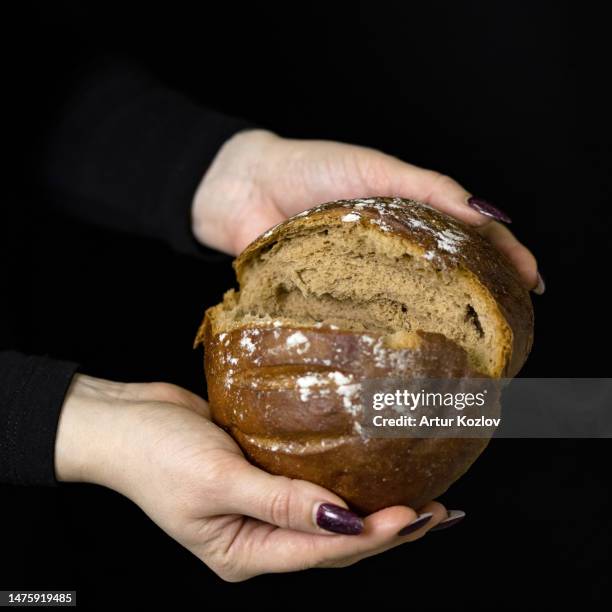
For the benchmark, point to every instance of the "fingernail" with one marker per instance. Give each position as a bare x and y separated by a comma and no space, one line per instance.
486,208
454,516
338,520
540,288
418,522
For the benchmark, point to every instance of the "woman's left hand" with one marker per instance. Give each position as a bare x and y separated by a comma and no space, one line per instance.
155,444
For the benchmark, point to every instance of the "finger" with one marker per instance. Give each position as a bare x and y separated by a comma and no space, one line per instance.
520,256
173,394
291,504
283,550
194,403
439,190
436,512
166,393
448,196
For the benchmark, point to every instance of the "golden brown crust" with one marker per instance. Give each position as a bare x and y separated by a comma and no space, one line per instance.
291,396
256,374
376,475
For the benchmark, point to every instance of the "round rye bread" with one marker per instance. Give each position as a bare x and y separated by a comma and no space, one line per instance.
348,292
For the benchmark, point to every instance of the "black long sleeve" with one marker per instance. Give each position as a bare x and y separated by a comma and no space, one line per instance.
128,153
32,391
123,152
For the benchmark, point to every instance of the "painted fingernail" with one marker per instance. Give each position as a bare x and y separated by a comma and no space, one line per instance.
454,517
419,521
486,208
338,520
540,288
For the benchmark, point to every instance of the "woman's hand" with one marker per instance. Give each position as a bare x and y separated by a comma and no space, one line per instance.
155,444
259,179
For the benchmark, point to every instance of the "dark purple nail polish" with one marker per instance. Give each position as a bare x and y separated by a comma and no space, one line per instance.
419,521
540,288
338,520
454,516
486,208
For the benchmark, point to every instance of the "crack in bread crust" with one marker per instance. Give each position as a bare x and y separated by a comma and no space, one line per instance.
404,227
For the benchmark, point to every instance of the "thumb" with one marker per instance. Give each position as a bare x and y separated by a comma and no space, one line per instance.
289,504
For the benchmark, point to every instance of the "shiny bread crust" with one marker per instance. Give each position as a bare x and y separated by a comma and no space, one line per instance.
289,395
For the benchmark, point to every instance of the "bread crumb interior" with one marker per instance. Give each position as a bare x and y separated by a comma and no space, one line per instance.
360,279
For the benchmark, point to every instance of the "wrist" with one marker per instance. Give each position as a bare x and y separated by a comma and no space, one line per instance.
228,185
89,431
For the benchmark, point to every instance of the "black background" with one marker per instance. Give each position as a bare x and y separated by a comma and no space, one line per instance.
494,94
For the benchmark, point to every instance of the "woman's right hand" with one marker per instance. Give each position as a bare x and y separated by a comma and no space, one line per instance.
259,179
155,444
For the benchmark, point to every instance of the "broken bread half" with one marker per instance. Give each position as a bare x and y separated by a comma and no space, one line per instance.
351,291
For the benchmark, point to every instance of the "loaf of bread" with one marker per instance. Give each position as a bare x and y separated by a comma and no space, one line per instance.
349,291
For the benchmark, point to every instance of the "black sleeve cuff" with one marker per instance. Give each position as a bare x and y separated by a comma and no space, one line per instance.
199,145
31,398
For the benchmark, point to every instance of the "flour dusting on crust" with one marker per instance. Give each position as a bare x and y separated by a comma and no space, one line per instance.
391,212
298,341
324,383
